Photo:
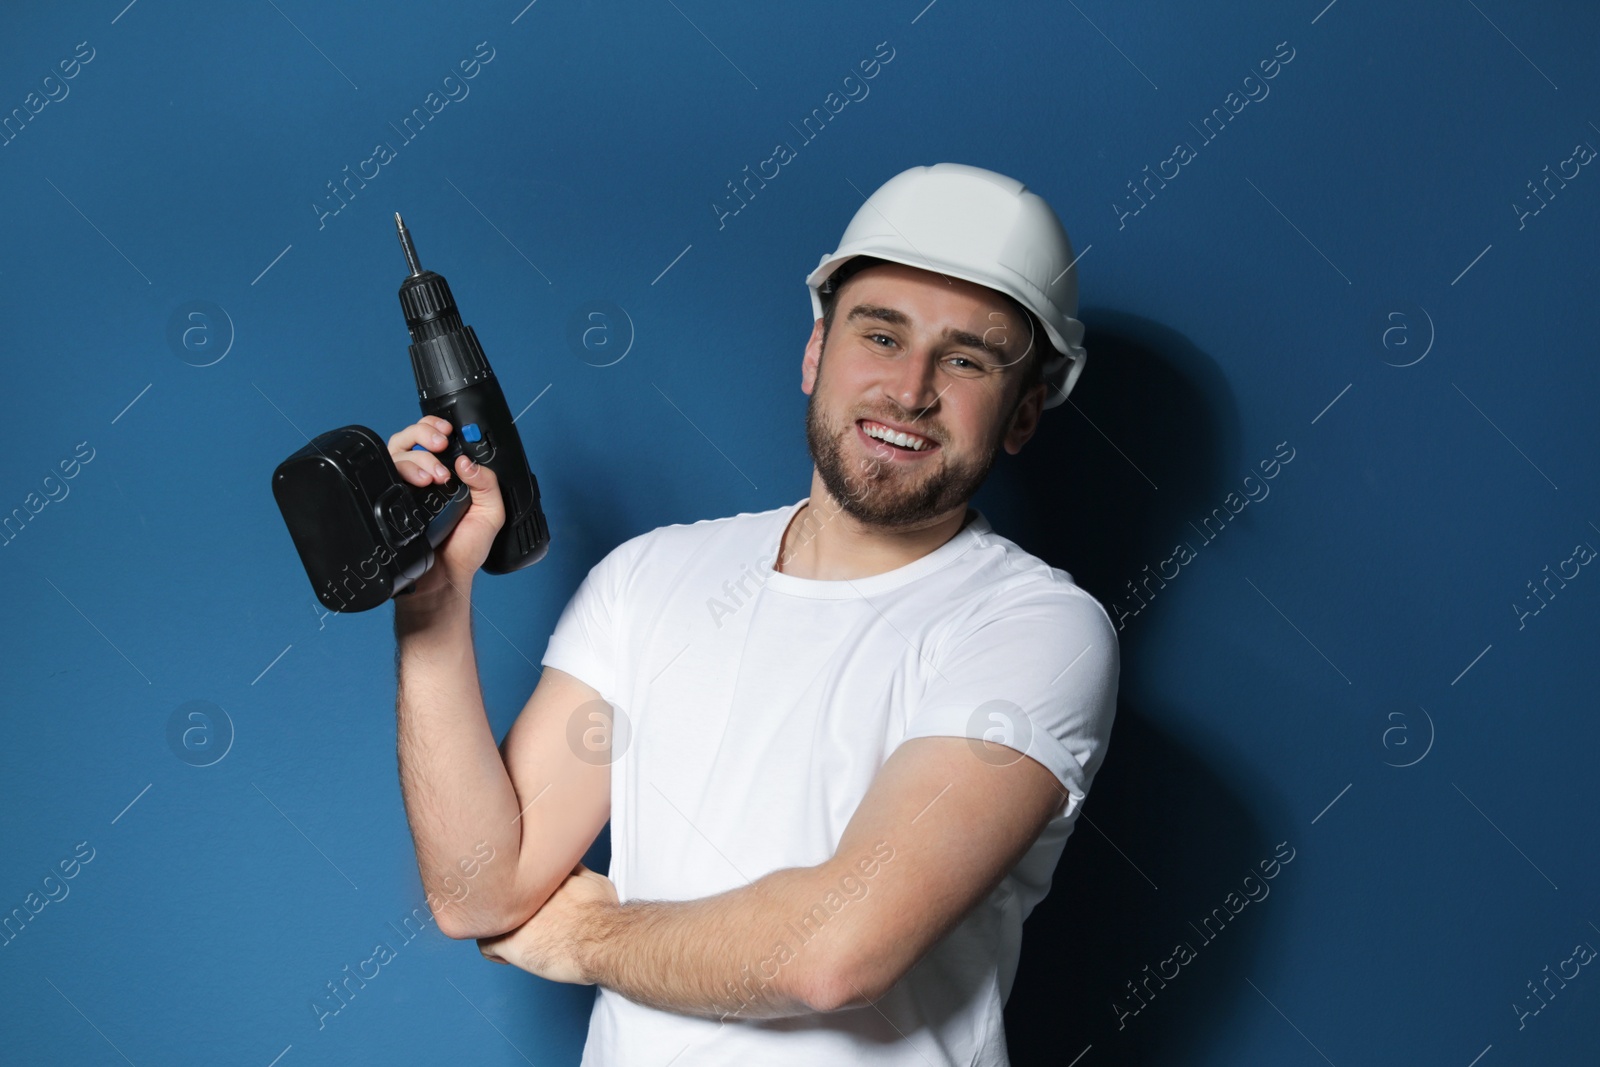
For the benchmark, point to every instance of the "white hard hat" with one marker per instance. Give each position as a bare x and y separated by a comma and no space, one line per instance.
982,227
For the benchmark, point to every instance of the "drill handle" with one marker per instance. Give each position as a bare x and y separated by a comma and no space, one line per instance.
481,427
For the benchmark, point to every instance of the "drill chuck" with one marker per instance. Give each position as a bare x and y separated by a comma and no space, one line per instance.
445,353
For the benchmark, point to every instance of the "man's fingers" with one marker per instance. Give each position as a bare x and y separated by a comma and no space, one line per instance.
425,433
413,450
421,468
418,443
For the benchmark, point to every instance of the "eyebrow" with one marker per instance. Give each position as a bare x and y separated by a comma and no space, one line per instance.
896,317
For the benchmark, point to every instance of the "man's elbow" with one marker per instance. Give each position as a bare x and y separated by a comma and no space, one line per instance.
495,909
462,925
453,928
459,927
839,987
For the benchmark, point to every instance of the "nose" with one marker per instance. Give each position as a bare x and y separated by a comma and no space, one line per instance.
911,383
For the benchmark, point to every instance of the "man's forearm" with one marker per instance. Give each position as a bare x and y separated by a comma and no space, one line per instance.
754,952
458,794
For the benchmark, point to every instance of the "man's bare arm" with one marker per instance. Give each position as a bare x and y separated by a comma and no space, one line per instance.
960,813
715,957
536,804
736,954
938,829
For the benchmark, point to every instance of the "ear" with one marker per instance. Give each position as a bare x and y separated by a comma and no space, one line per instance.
1025,420
813,358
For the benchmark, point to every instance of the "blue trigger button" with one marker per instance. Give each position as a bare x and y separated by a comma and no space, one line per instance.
471,433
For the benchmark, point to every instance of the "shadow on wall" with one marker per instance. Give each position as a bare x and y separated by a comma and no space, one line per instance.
1149,439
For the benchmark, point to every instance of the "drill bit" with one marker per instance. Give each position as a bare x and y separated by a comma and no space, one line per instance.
407,247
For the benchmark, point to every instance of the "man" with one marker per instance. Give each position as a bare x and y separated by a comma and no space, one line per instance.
840,743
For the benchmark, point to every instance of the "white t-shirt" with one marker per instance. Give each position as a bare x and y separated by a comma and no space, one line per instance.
753,709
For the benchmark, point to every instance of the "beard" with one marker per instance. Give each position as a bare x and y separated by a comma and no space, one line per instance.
887,493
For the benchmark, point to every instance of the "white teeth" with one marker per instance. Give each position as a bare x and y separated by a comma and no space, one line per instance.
902,439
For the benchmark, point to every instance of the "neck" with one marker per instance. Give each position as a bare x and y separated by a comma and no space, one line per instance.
825,543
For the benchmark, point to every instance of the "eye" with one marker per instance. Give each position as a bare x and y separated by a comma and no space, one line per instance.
967,366
875,336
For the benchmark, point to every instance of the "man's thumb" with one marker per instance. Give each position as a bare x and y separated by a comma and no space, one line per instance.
481,480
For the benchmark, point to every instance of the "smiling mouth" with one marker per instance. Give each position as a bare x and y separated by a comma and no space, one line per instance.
901,443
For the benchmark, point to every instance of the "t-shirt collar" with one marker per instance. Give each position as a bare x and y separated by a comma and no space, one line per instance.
971,534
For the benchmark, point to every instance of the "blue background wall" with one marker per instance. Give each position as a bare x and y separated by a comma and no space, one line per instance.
1353,670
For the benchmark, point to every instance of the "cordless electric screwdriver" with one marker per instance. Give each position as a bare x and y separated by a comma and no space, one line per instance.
364,534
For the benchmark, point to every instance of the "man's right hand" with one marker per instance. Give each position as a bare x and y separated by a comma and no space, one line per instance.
463,552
